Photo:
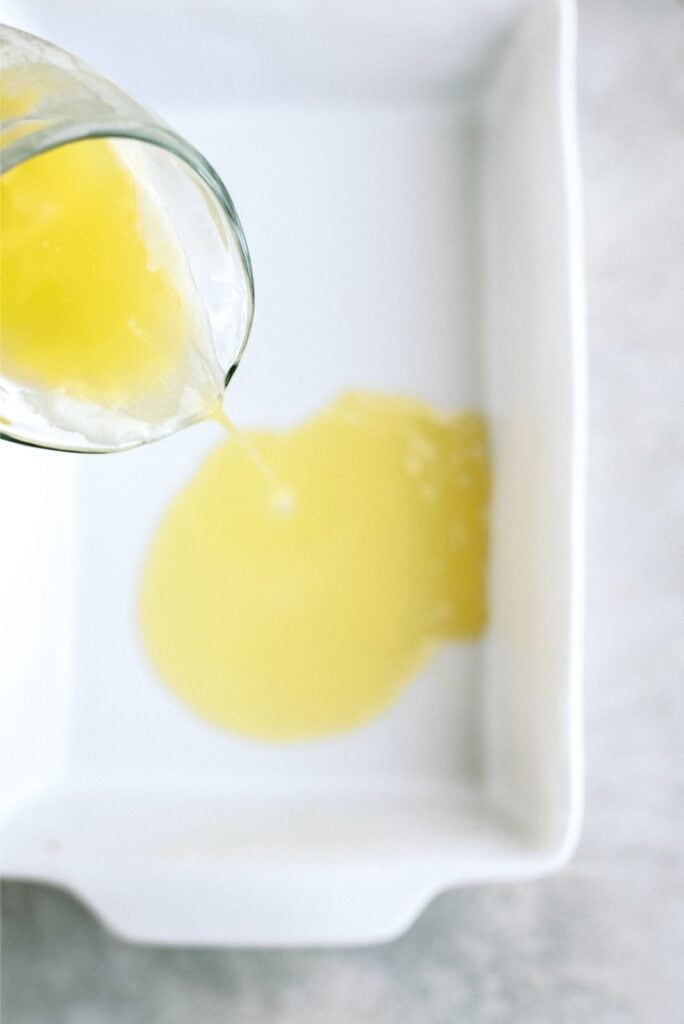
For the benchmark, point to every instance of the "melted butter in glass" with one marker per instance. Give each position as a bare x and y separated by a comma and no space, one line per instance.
285,611
85,307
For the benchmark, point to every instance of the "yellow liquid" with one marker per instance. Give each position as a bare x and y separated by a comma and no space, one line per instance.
86,308
299,607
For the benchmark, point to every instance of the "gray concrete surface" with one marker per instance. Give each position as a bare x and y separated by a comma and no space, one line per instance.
602,942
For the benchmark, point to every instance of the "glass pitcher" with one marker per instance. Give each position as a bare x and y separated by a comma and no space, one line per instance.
50,99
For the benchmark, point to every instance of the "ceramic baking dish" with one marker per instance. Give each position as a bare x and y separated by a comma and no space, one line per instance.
407,176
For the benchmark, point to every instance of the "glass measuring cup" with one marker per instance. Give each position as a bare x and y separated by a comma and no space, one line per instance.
50,99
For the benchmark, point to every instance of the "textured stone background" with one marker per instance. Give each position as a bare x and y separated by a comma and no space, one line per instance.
598,943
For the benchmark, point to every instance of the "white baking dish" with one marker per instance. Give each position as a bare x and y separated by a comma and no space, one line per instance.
407,177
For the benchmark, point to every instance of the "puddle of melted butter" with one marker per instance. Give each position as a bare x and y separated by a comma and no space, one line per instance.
297,601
